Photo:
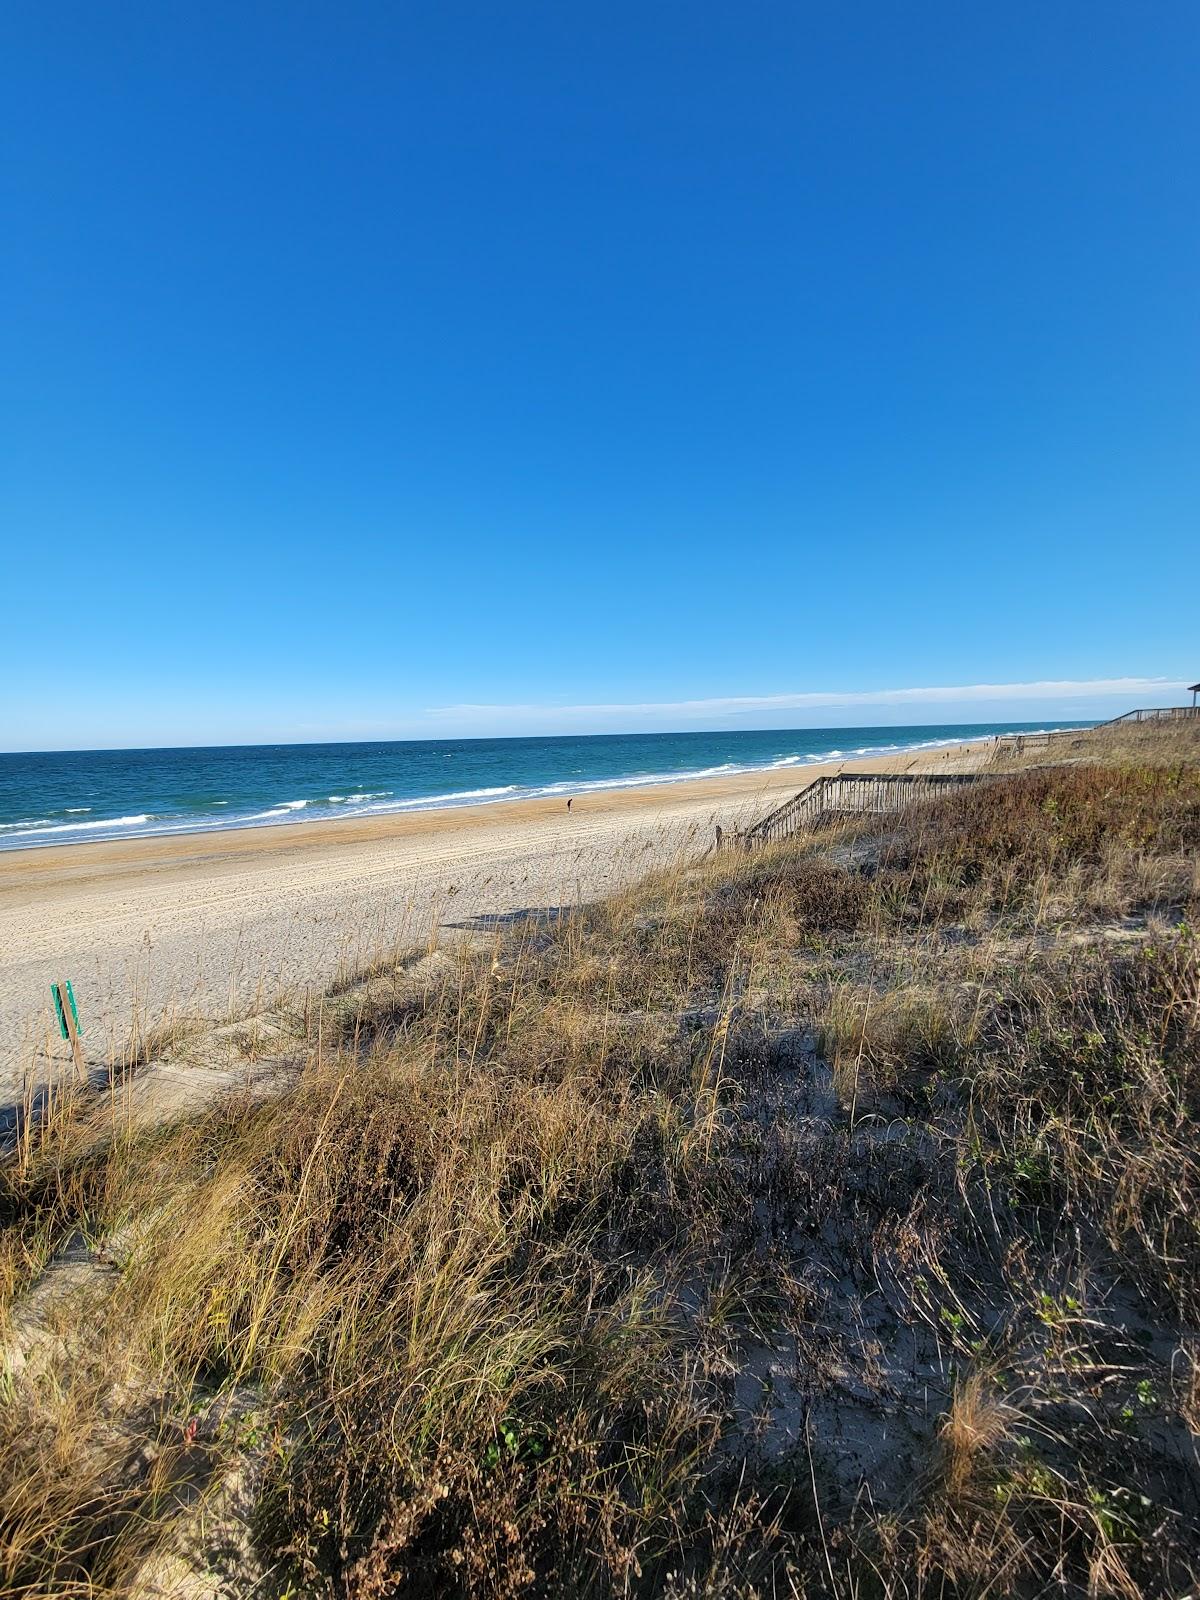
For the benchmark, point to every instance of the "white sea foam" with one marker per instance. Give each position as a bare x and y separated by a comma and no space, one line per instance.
589,785
423,802
283,809
77,827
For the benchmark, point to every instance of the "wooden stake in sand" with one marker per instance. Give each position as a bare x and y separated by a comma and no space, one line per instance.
68,1019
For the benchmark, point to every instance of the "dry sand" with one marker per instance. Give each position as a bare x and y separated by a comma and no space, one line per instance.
209,925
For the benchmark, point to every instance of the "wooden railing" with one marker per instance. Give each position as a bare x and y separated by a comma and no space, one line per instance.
847,794
1015,744
1153,714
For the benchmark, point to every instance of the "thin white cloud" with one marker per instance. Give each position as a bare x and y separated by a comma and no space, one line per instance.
1047,690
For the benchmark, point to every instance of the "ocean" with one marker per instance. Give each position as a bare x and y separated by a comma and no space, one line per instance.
69,797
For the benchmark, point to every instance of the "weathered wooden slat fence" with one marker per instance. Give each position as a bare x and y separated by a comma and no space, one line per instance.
1155,714
848,794
1016,744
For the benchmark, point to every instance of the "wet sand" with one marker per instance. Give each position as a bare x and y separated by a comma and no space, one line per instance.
212,924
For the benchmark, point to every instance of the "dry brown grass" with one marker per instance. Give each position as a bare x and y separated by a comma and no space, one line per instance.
976,1425
780,1226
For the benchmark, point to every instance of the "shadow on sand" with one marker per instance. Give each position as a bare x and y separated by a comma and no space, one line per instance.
490,921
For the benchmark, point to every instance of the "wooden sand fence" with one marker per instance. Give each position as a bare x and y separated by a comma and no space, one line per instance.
1156,714
1017,744
847,794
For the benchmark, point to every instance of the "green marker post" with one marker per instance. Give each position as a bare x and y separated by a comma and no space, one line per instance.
67,1013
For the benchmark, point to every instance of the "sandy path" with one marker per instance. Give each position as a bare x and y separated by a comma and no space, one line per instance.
205,924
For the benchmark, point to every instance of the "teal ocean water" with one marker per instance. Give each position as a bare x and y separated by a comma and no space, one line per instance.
67,797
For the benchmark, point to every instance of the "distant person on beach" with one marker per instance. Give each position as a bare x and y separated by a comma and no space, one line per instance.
570,802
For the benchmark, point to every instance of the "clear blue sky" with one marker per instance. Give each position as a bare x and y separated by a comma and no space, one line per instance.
367,362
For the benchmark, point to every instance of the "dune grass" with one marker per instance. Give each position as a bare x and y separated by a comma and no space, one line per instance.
817,1221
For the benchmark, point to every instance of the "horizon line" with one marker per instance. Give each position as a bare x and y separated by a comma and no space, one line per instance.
413,731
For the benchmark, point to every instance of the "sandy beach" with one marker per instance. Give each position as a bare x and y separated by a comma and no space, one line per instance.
209,925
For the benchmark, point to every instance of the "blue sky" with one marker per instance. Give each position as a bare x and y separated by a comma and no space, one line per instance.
394,369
